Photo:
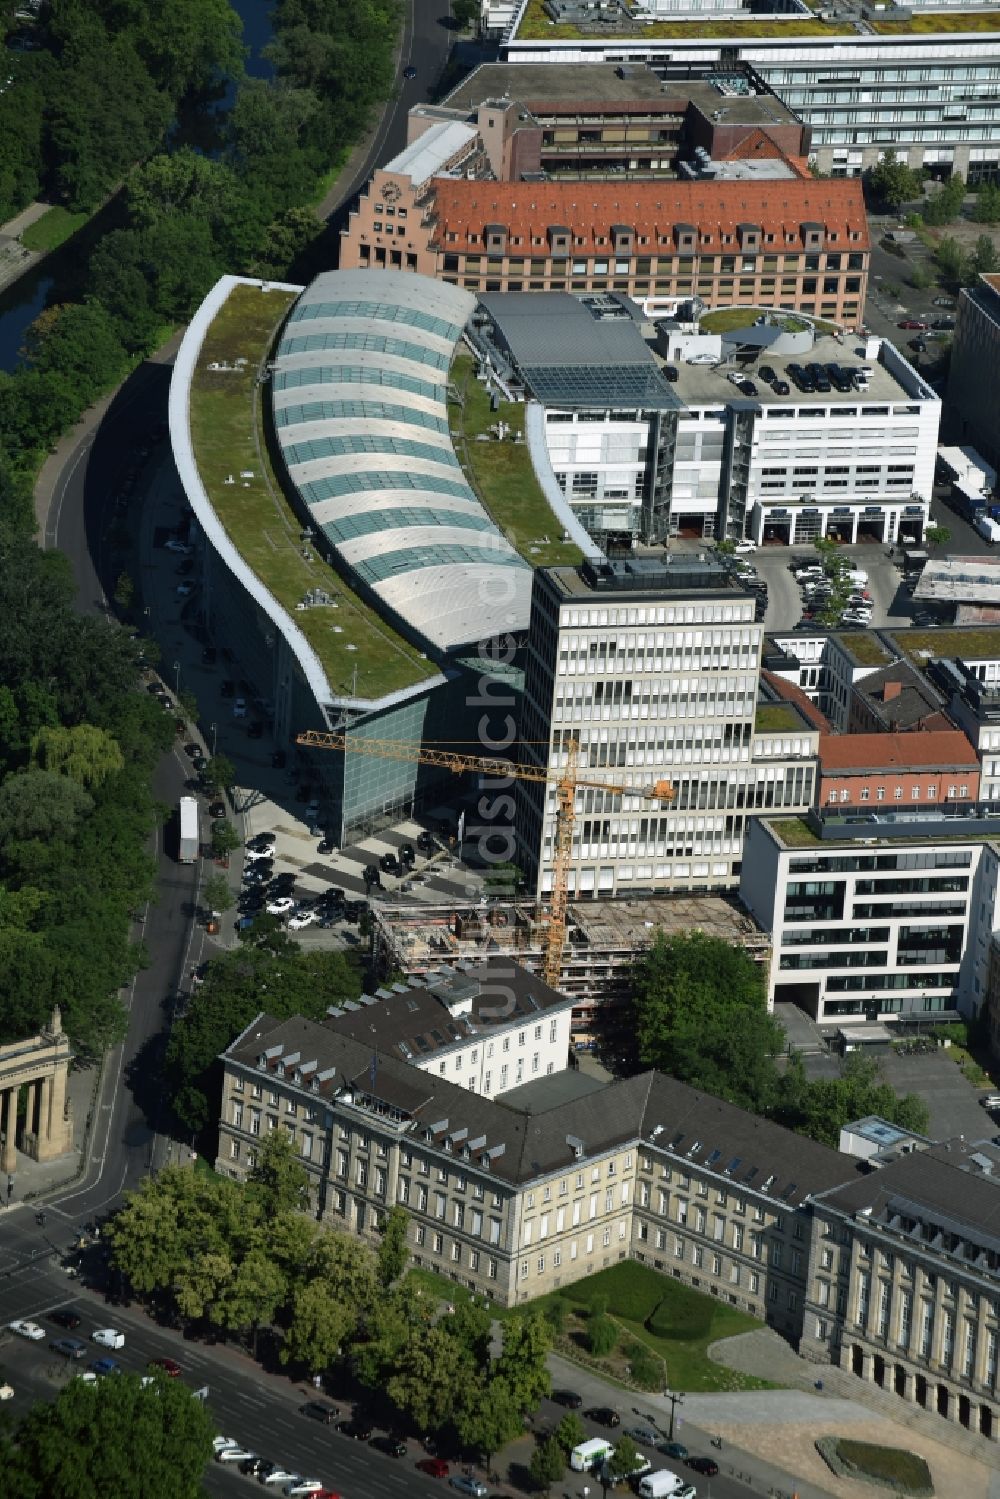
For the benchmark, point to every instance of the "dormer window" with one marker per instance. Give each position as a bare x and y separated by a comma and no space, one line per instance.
685,238
749,237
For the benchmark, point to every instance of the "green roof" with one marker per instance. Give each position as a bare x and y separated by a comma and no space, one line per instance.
969,643
501,473
536,26
360,654
866,649
778,718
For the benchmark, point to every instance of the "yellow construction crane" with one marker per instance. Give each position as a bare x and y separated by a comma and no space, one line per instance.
566,782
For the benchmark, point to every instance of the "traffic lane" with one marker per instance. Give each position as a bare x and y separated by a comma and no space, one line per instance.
722,1487
259,1410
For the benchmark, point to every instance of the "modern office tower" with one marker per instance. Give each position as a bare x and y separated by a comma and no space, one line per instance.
650,667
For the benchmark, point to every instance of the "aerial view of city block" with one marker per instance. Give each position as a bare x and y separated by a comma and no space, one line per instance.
499,749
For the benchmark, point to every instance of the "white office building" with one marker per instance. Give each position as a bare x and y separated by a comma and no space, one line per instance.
880,917
651,667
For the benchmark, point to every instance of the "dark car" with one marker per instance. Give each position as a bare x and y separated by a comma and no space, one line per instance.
319,1410
436,1467
673,1449
409,71
766,373
569,1398
747,388
670,372
69,1347
782,388
391,1446
326,846
65,1318
371,875
407,855
102,1366
217,809
170,1366
943,324
359,1429
355,909
261,840
228,689
192,750
603,1415
425,843
283,881
704,1465
389,864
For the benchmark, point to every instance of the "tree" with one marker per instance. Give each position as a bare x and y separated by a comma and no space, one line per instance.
946,204
602,1333
820,1109
521,1365
118,1437
217,895
487,1418
278,1180
937,536
124,594
225,838
984,256
700,1014
393,1253
570,1432
892,182
987,208
548,1464
39,804
87,755
430,1378
219,773
952,259
624,1459
465,13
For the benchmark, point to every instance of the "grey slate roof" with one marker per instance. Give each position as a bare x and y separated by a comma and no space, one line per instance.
692,1123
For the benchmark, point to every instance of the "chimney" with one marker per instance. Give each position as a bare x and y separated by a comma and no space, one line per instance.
891,690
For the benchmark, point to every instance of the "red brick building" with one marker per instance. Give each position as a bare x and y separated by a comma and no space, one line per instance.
884,770
791,242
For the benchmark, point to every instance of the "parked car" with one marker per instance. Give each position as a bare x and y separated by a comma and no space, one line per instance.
173,545
301,920
359,1428
280,906
261,840
319,1410
782,388
170,1366
468,1485
569,1398
325,846
239,707
276,1477
108,1337
235,1454
434,1467
603,1415
745,546
69,1348
29,1330
766,373
912,324
304,1486
185,589
389,864
672,1449
65,1317
390,1445
704,1465
643,1434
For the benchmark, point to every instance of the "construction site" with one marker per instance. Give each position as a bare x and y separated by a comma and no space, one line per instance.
603,940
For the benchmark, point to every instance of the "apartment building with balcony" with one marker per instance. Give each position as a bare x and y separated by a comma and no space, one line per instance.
799,244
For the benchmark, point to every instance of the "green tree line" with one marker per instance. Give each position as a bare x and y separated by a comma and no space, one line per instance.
242,1257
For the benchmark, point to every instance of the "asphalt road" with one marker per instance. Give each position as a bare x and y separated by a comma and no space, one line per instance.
256,1409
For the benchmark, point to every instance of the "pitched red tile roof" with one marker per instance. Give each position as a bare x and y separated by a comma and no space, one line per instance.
794,694
653,209
943,749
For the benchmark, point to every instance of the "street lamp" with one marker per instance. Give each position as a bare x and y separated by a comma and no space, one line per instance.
675,1401
214,728
177,679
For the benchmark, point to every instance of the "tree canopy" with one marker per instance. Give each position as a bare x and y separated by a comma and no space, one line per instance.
116,1437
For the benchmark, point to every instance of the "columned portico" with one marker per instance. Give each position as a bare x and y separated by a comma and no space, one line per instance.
39,1065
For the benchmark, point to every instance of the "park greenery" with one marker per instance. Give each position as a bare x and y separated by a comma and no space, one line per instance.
270,972
179,216
241,1259
119,1437
699,1012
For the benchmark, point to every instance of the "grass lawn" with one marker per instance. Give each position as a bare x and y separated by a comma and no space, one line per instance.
892,1465
501,473
793,832
53,229
675,1323
773,718
726,318
937,22
227,435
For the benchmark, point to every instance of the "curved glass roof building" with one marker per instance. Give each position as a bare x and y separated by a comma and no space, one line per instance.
359,387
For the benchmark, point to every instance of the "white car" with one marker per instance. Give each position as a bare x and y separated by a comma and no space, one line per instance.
303,919
29,1330
279,1475
88,1378
185,589
280,906
240,708
234,1454
259,853
736,377
108,1337
303,1486
745,546
220,1442
6,1391
712,359
173,545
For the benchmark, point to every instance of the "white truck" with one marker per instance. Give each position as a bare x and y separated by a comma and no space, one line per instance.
590,1455
988,528
189,842
659,1485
